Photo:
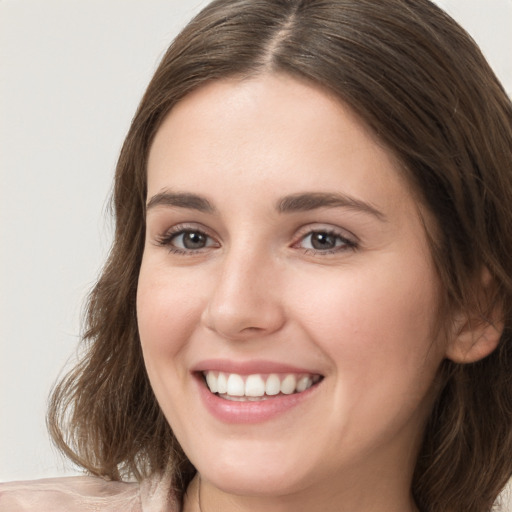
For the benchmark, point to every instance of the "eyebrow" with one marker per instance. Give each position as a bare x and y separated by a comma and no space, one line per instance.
181,200
294,203
314,200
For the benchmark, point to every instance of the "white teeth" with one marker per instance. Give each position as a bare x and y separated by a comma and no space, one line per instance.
256,387
288,385
273,385
235,385
211,380
304,383
222,383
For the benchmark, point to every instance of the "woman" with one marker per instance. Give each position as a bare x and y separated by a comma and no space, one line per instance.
307,304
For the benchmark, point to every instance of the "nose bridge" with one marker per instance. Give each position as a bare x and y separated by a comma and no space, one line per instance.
245,300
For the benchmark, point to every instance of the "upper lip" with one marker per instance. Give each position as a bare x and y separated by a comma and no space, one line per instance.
249,367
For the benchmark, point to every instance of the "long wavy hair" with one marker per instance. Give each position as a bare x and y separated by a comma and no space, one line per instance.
421,84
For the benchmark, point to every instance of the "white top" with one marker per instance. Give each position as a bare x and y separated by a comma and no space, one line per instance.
88,494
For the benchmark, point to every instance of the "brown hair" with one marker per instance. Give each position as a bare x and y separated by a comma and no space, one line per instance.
421,84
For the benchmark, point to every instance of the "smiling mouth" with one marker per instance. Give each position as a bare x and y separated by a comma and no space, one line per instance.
257,387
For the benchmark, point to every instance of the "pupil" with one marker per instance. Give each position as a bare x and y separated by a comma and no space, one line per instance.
194,240
323,241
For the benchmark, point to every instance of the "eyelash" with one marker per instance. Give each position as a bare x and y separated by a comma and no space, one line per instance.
346,243
167,239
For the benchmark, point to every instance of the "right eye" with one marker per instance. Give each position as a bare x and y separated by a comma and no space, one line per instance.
184,241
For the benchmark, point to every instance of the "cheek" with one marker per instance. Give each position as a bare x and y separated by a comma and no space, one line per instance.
168,311
376,325
377,331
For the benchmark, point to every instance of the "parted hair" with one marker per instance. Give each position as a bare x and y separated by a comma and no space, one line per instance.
421,84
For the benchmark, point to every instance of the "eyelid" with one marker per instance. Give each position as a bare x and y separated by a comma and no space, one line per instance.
349,239
326,228
168,235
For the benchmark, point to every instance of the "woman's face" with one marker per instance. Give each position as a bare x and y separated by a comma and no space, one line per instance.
285,262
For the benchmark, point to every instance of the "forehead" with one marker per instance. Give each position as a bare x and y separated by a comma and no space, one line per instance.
271,133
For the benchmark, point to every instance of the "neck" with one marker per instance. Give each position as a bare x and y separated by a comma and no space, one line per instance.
202,496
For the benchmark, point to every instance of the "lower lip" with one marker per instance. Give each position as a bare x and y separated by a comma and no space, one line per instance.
229,411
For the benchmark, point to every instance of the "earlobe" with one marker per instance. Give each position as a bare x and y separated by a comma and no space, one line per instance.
474,340
475,336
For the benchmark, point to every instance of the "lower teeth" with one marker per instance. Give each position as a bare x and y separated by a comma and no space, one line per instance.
244,398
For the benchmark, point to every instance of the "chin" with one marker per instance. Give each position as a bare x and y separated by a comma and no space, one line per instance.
249,482
254,473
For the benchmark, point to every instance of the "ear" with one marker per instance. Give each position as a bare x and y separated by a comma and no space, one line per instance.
475,335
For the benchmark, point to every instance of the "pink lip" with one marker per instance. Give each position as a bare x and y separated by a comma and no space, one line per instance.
248,367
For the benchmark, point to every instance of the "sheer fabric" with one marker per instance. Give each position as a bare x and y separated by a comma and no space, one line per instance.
87,494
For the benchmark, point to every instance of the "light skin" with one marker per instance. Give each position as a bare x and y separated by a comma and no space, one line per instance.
305,247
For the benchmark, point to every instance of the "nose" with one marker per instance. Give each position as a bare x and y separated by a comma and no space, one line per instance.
245,301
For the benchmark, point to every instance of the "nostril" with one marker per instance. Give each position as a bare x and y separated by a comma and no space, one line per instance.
240,306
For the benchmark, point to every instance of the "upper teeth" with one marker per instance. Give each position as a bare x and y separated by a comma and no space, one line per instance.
258,385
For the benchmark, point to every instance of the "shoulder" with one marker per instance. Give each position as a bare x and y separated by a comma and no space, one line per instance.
88,494
70,494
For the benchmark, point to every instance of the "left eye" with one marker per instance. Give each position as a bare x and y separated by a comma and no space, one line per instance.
324,241
191,240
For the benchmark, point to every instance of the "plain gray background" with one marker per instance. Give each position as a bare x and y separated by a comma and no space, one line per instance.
71,75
